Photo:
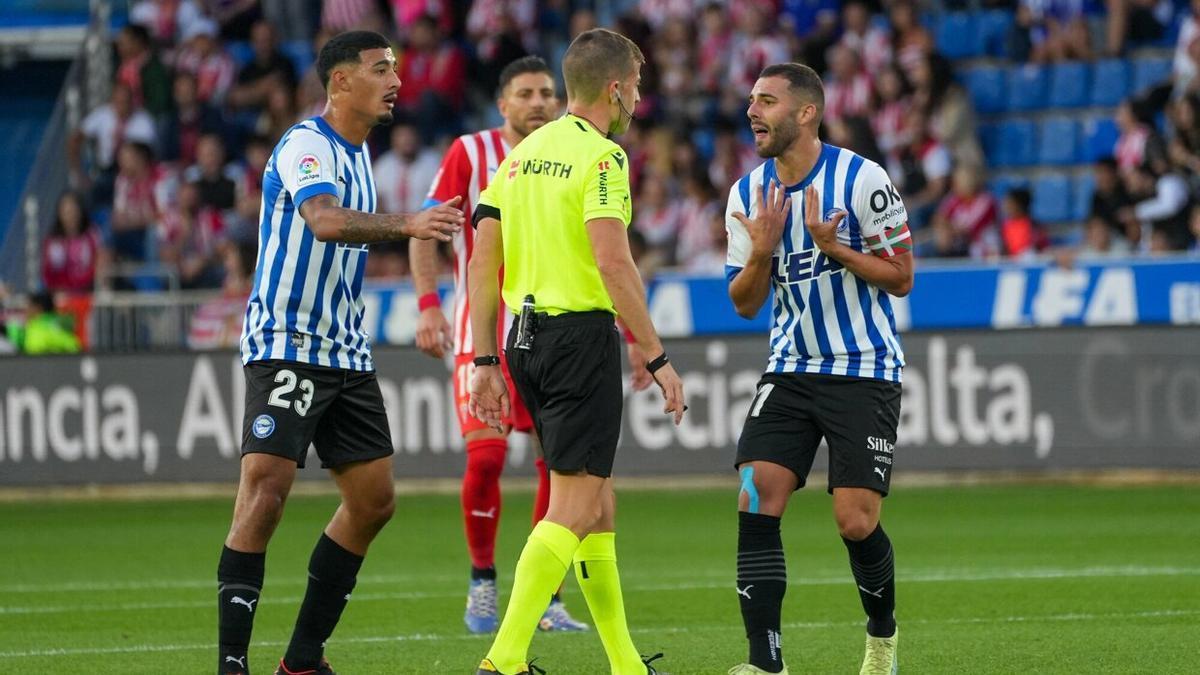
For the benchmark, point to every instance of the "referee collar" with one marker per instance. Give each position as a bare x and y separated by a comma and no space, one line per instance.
587,125
330,132
825,152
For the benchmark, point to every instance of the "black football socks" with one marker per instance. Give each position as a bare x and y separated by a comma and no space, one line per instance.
239,582
332,572
874,571
761,583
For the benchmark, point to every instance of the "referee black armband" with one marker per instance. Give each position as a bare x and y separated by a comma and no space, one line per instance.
655,364
484,211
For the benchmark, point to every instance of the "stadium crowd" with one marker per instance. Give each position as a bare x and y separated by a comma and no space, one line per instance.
167,174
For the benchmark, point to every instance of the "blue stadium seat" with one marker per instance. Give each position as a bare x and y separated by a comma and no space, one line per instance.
1058,141
241,52
1015,144
1027,87
989,141
1000,185
301,54
1100,135
1069,84
1051,199
1110,82
992,31
955,36
1085,185
1149,71
985,84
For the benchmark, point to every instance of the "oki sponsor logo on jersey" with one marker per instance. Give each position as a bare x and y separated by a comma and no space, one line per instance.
308,169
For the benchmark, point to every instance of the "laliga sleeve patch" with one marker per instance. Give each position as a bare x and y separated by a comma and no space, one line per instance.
308,170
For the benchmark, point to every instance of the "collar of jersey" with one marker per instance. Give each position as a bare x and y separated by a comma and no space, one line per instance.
329,131
587,124
769,171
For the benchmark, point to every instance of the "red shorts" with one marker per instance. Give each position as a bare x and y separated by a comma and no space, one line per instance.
518,417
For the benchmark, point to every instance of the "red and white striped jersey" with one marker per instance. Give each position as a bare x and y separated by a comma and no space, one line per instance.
465,171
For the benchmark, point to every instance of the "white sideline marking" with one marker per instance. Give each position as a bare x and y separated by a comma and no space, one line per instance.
833,580
933,576
834,576
425,637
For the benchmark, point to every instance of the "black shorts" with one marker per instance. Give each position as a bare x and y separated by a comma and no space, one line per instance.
291,405
571,383
792,412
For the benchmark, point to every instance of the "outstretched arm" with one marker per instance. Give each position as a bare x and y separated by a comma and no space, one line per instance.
332,222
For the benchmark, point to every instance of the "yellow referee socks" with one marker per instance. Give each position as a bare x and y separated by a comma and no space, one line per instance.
596,570
543,563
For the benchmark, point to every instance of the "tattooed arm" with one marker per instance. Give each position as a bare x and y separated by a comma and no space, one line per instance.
331,222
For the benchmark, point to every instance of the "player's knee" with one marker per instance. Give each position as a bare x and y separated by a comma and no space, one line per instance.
855,525
486,461
374,511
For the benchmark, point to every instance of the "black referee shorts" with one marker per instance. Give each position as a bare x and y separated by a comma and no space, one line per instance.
571,383
291,405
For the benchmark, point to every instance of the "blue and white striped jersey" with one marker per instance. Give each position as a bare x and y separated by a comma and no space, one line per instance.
825,319
307,304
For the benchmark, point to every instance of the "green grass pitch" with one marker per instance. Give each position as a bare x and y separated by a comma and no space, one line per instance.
1035,579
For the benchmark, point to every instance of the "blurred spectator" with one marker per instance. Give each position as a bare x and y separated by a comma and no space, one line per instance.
1184,147
69,252
312,96
658,13
699,206
911,42
488,20
925,170
1019,236
1194,228
1019,41
433,71
405,13
45,330
713,45
235,17
732,158
949,110
1111,203
847,86
871,43
166,20
1101,241
141,71
889,118
1184,66
269,69
217,324
965,221
280,113
676,69
294,19
657,218
190,118
258,152
404,173
1135,21
504,41
203,57
188,238
1162,202
343,15
1057,29
755,46
710,259
141,194
105,129
855,134
1138,141
215,181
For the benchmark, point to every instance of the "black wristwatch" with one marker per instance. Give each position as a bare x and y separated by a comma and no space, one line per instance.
489,360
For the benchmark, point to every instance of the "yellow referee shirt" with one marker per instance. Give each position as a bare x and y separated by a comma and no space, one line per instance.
561,176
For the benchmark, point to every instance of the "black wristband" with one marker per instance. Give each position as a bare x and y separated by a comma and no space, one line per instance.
489,360
655,364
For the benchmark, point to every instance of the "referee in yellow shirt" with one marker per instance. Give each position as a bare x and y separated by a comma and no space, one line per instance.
555,215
